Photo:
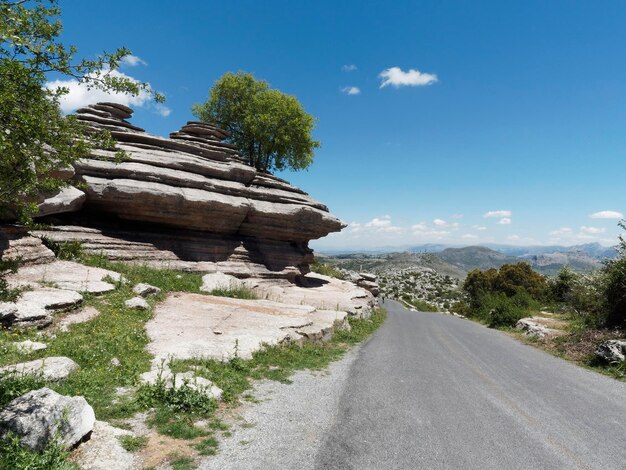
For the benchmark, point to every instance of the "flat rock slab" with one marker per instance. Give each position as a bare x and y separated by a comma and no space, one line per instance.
65,275
104,451
49,368
322,292
40,415
185,326
50,298
84,315
68,199
29,346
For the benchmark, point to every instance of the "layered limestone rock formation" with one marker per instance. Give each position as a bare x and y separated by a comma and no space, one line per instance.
188,201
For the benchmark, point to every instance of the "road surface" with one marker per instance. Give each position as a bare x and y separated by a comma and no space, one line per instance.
430,391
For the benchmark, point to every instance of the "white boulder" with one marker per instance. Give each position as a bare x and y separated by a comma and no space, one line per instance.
40,416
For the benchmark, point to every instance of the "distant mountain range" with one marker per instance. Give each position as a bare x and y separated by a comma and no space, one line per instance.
458,261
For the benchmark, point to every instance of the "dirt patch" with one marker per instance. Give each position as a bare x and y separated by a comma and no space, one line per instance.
161,449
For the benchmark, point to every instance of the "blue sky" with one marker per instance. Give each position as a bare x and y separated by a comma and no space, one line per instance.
520,139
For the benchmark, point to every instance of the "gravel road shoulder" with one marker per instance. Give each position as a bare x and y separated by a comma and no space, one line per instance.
289,424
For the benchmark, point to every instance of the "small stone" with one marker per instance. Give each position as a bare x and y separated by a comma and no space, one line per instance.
137,303
218,332
41,415
115,362
49,368
144,290
29,346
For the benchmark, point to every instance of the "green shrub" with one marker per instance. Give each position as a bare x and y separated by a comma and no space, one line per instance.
615,292
71,251
506,313
182,399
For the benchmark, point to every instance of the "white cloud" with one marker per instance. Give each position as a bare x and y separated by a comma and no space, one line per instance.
513,237
81,95
584,234
376,225
422,230
469,236
456,216
504,221
348,68
162,110
592,230
479,227
497,214
396,77
563,231
607,215
351,90
442,223
132,61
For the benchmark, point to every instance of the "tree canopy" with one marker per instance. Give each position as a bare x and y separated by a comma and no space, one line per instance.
271,128
35,137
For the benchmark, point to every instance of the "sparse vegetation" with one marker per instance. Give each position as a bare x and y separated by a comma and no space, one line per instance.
119,332
235,292
426,290
8,294
325,269
15,457
133,443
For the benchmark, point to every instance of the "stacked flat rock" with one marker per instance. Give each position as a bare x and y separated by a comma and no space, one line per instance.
107,115
193,192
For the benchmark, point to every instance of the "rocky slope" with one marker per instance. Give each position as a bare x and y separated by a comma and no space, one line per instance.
188,201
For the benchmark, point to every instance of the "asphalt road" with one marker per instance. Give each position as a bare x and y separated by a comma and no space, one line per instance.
430,391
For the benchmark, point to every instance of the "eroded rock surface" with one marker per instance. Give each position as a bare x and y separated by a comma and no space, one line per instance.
42,415
539,327
186,326
192,200
49,368
65,275
17,244
103,450
319,291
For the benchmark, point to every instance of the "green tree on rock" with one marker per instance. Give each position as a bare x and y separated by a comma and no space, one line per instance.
35,137
271,128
